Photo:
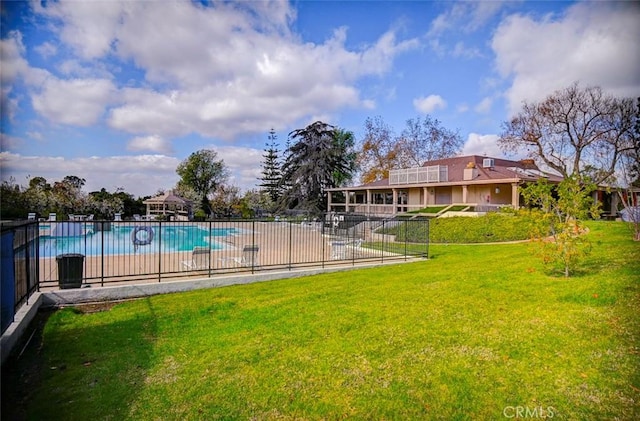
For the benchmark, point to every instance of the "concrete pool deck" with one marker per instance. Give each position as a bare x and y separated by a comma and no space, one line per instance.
281,246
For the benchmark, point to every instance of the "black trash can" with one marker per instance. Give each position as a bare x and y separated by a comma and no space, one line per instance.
70,270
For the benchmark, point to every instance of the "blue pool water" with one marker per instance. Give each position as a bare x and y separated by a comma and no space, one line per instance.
119,240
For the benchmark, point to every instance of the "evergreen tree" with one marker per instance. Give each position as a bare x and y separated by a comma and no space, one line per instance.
271,172
321,157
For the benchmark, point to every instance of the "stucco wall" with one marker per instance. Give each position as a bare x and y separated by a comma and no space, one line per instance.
415,197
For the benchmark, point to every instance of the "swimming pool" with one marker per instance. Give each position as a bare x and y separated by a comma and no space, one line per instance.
119,240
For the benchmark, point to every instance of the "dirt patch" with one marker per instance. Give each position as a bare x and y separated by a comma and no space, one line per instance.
94,307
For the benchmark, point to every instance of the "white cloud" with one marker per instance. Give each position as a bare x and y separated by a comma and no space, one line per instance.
245,164
13,66
78,102
460,50
429,104
202,80
478,144
151,143
369,104
88,27
7,143
11,52
141,175
484,106
465,16
35,135
594,43
46,49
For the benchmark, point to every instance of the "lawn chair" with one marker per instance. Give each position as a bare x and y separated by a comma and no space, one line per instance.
31,216
343,249
338,250
53,217
249,256
200,259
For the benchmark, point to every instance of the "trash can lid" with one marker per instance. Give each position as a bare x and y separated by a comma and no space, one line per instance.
63,256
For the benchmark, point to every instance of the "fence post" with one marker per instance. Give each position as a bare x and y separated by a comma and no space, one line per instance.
37,246
406,229
322,240
253,242
383,237
102,227
159,251
8,280
290,258
209,242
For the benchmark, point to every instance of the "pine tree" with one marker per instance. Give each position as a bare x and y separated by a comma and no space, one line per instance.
271,171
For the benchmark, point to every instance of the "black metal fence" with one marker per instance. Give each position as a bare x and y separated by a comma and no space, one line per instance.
19,267
82,253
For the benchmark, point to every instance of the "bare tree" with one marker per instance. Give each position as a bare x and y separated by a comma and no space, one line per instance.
629,180
574,131
424,139
378,150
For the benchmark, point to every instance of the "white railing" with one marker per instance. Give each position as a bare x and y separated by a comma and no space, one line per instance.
431,174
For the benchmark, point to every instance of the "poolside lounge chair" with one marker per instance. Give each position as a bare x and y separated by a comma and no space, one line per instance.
249,256
344,249
31,216
52,217
200,259
117,217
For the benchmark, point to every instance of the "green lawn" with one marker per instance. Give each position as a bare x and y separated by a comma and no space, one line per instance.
471,334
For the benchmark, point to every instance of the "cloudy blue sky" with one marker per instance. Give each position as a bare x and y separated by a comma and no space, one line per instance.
120,92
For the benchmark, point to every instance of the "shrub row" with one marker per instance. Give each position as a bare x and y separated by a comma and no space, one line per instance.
492,227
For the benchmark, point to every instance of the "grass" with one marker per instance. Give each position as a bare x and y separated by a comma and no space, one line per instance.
437,209
430,209
462,336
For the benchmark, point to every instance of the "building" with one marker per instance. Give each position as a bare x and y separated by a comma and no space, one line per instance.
482,182
168,205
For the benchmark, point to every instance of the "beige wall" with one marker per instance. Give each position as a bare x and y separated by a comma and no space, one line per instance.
478,194
414,197
475,194
504,196
456,194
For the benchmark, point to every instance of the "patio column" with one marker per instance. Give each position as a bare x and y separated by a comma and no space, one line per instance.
346,201
329,201
464,193
515,202
368,201
614,203
425,196
395,201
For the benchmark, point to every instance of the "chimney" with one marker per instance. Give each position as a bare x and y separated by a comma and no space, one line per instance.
470,172
528,164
